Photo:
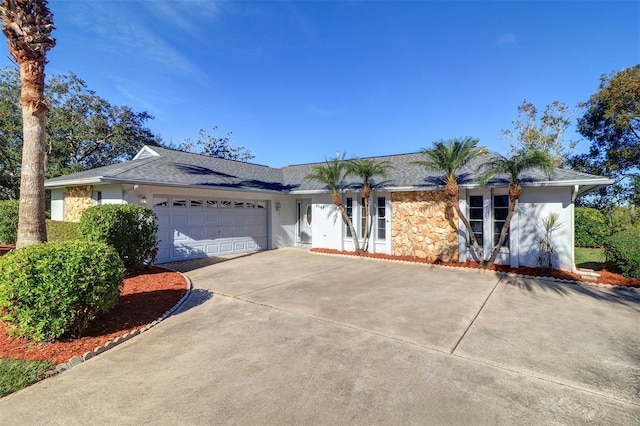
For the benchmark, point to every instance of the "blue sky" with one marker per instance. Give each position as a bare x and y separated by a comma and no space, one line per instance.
299,81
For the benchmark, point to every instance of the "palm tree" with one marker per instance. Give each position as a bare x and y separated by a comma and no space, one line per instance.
331,173
366,170
448,157
514,166
28,25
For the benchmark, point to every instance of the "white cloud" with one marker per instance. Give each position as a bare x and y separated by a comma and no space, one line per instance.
506,38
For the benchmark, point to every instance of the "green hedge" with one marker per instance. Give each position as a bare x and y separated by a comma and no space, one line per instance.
129,228
52,289
622,251
9,221
62,231
591,228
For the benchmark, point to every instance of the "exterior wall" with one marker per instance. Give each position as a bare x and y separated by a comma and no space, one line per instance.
534,205
77,199
326,227
57,204
526,229
421,226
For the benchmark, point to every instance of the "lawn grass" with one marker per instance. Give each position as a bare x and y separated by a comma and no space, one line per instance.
590,258
16,374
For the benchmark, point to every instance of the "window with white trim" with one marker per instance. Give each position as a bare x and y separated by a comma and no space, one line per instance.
382,218
476,216
500,212
349,210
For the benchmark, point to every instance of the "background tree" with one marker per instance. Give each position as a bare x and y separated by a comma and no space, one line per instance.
83,129
28,25
10,134
332,174
612,123
513,166
449,157
366,169
545,133
214,147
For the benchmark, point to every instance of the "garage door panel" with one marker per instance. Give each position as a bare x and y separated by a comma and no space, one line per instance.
193,232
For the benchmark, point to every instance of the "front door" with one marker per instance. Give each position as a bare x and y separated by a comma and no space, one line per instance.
304,221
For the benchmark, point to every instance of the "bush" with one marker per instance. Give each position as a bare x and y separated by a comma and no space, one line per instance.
9,221
129,228
622,251
62,231
49,289
590,227
623,218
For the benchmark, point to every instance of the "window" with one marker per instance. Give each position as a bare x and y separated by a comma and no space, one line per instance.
309,214
224,204
349,209
212,204
238,205
179,202
500,212
476,215
363,218
196,204
382,218
97,198
160,201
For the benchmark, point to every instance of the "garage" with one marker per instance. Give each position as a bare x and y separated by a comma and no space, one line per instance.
190,228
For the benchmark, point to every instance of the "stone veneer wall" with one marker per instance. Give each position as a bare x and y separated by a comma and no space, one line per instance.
422,227
76,201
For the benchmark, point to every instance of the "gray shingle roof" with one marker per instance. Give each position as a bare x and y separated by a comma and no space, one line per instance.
177,168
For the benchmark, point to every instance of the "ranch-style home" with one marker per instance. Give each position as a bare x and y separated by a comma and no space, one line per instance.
209,207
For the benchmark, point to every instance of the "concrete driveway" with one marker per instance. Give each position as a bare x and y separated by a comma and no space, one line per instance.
288,337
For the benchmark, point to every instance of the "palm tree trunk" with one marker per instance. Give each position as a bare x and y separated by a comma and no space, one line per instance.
472,236
365,241
31,223
514,194
338,202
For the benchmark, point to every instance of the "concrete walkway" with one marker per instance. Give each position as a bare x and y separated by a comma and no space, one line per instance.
288,337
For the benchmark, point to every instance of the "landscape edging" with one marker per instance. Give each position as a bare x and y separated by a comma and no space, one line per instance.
79,359
508,274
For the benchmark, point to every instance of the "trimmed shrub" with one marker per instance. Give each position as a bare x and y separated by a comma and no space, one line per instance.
590,227
52,289
9,221
129,228
622,251
62,231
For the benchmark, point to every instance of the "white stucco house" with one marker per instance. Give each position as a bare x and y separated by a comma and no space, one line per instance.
209,207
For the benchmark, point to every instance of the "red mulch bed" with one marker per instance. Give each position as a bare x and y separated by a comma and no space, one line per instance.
145,296
605,277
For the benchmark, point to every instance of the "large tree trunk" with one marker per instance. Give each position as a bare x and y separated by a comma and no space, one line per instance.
514,194
31,223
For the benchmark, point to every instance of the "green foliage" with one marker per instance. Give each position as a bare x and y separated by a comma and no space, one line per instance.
622,218
591,228
214,147
83,130
449,156
612,123
544,134
62,231
9,221
16,374
622,251
49,289
129,228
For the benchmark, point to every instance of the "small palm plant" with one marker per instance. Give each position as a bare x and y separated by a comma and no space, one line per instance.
366,169
331,174
449,157
547,251
514,166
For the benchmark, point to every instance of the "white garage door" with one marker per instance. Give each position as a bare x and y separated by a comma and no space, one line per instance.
190,228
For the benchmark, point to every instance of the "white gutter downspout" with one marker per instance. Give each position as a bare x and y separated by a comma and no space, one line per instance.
574,196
